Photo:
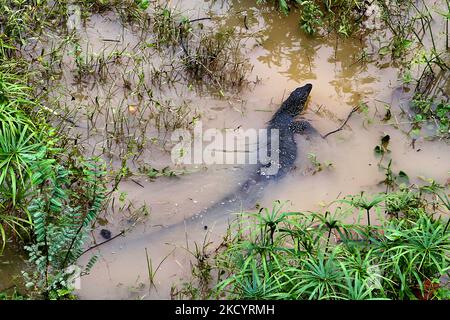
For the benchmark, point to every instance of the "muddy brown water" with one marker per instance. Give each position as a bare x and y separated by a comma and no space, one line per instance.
283,58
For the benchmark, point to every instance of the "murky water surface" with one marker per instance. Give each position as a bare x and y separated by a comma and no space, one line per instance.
283,58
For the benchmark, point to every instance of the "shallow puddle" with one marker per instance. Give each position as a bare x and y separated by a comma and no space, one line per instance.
283,58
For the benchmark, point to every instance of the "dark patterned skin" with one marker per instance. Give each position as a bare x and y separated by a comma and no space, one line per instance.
251,190
248,193
284,121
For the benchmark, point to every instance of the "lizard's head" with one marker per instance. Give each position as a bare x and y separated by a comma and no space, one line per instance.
296,101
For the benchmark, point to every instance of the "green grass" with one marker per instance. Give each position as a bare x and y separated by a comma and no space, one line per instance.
427,109
275,254
11,296
50,195
413,30
23,151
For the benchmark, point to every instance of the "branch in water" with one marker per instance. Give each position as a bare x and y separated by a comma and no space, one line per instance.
343,124
99,244
199,19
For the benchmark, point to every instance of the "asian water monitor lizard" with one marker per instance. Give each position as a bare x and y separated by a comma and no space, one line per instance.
247,194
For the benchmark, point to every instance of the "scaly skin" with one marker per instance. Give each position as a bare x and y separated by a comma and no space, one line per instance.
250,191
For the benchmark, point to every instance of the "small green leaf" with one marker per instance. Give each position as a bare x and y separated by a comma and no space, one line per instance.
379,150
384,51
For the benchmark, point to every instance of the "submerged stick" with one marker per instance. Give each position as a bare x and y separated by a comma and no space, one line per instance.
199,19
343,124
99,244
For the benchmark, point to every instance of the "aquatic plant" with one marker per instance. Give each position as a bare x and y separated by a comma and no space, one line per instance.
301,255
342,16
412,41
216,59
11,296
169,26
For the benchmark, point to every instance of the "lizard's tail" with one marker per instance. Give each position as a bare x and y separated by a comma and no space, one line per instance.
245,198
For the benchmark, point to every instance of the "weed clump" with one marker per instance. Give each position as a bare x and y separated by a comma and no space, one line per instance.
409,30
168,26
216,59
50,194
344,17
275,254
